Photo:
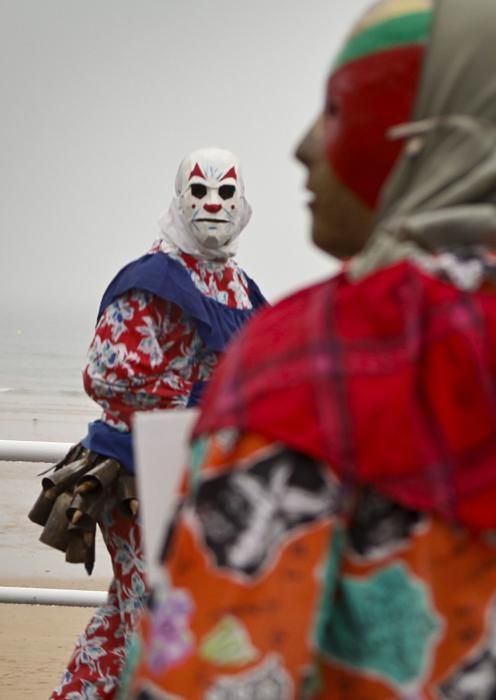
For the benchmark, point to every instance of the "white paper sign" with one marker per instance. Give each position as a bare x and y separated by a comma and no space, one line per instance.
161,452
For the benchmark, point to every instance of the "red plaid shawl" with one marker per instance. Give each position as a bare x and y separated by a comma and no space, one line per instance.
390,380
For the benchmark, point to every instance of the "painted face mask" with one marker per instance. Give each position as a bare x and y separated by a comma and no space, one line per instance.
372,87
209,210
210,197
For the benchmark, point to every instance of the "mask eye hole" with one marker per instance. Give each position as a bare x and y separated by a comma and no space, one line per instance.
198,190
227,191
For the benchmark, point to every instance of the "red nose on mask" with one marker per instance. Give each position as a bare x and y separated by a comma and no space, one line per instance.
212,208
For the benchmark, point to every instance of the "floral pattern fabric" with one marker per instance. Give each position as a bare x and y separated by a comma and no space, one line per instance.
95,666
294,587
147,354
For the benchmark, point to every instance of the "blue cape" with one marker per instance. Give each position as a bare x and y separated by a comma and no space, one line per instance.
216,323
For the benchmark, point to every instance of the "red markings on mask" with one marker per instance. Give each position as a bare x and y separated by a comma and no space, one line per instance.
212,208
365,98
230,173
197,171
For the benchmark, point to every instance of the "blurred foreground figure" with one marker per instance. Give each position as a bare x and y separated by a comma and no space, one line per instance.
335,534
163,322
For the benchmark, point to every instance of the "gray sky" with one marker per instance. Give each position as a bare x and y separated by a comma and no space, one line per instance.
100,101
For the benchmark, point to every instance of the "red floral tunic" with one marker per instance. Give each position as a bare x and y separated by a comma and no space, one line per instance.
147,354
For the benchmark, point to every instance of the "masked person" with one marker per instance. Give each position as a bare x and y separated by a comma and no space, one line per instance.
163,323
336,531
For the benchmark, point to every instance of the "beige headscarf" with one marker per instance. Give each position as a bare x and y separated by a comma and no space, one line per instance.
442,193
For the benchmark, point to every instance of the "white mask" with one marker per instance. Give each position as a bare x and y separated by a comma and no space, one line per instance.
209,207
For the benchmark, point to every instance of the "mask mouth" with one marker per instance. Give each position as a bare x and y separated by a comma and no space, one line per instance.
211,221
213,242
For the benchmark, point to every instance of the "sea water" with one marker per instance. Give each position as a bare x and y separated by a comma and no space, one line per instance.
41,398
41,391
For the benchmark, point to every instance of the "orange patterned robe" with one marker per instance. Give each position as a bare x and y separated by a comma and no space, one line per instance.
280,583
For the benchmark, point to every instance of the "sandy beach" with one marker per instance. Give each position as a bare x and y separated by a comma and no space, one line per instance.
41,398
36,640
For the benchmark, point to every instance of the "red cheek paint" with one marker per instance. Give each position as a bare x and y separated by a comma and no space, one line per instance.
364,99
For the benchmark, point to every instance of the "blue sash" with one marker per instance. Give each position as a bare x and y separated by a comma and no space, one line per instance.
216,323
169,280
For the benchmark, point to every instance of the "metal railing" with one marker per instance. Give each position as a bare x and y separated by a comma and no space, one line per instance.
52,596
31,451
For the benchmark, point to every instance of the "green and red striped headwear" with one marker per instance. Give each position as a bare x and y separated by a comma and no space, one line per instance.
372,87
